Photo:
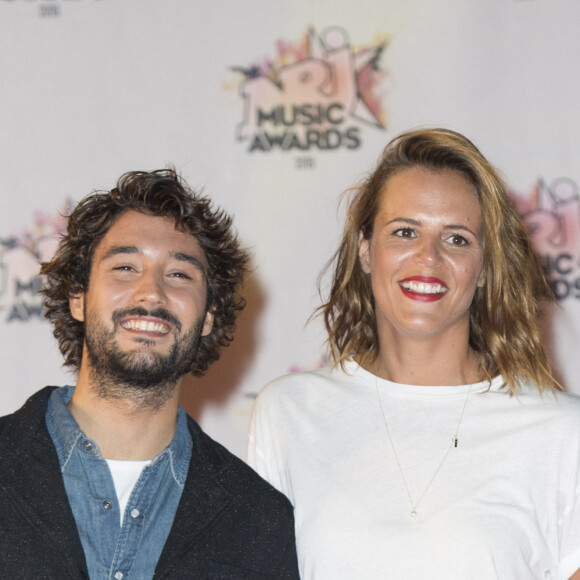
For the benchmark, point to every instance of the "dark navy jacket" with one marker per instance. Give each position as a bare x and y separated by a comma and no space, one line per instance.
230,524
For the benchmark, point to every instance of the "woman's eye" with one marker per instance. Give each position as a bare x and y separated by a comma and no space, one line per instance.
405,233
457,240
124,268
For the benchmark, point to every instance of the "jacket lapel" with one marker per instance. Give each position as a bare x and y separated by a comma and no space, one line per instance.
203,500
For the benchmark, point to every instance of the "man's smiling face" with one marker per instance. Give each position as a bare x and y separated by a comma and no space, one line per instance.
146,305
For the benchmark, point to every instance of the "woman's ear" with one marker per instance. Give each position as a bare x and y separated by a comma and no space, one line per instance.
364,253
481,279
76,303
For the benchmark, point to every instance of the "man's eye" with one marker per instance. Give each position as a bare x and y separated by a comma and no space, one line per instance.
182,275
124,268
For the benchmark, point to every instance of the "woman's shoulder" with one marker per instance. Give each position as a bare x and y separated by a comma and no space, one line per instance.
301,380
564,407
313,384
550,396
568,402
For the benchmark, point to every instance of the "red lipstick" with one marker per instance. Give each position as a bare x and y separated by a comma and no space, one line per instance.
423,288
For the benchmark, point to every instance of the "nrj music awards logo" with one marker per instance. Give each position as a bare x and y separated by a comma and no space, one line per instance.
20,255
552,216
315,95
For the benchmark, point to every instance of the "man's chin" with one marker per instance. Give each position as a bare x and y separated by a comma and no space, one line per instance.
143,346
144,355
141,369
139,363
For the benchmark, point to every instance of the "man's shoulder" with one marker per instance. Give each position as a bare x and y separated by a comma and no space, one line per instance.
32,411
230,519
234,475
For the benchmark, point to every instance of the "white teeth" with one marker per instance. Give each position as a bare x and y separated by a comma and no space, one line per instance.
145,325
423,287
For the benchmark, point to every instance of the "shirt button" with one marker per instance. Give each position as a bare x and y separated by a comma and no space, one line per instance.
88,445
118,575
108,504
135,513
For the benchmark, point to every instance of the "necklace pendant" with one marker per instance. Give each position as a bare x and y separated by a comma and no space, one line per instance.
454,443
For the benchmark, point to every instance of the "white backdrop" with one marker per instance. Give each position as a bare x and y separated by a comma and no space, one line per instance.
229,92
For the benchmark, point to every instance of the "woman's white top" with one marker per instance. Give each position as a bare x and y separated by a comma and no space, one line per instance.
505,503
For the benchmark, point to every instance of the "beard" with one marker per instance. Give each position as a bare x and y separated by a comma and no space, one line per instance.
142,375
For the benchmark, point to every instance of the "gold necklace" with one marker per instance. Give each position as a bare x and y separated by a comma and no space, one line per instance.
454,442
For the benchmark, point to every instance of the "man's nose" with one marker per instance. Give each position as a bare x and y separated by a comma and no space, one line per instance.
150,288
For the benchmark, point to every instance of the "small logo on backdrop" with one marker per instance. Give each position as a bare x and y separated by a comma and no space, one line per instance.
315,95
20,255
552,216
47,8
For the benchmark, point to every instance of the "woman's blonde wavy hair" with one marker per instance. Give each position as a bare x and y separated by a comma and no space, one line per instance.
503,318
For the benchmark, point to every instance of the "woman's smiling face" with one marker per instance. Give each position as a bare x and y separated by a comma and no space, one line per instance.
425,254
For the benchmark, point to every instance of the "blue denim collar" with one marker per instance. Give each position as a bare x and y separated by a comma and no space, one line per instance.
66,435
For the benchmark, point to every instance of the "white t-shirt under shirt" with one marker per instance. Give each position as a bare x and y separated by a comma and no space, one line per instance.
125,475
505,503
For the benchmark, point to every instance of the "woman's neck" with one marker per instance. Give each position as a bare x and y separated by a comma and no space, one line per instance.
426,363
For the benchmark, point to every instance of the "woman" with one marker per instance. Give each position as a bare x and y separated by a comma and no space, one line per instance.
436,446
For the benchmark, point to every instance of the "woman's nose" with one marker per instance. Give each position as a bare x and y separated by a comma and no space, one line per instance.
429,251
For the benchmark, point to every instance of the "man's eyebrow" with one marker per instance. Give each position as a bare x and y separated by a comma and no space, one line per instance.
116,250
196,262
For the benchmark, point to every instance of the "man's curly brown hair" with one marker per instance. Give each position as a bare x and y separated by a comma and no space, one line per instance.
161,193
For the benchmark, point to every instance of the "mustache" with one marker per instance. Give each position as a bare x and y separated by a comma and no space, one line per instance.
160,313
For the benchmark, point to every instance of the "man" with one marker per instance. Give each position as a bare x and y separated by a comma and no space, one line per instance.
111,479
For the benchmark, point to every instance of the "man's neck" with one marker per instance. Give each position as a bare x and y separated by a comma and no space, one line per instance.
123,428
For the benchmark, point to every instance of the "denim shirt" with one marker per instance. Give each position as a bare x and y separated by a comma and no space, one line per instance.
112,551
